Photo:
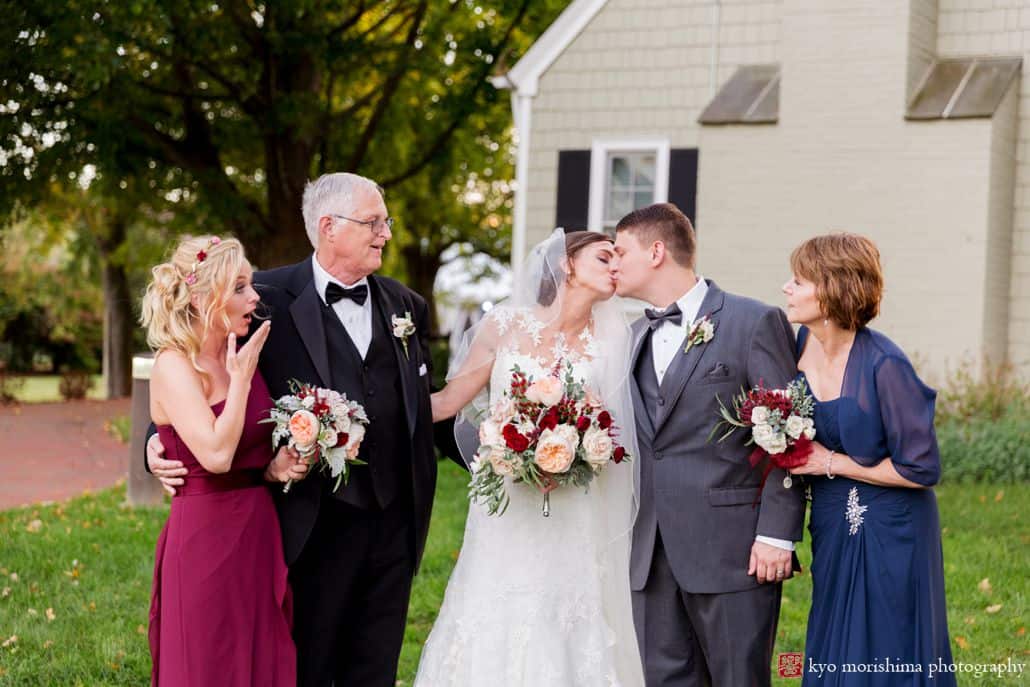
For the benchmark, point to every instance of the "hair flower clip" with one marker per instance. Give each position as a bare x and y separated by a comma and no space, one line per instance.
191,278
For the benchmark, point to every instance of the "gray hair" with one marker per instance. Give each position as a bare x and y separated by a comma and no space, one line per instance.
331,194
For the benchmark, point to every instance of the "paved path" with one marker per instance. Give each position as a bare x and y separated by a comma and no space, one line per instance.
53,451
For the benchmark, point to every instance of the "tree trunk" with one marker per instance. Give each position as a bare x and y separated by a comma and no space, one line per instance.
422,271
117,313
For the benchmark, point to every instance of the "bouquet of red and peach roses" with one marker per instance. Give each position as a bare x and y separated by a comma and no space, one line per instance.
321,424
548,433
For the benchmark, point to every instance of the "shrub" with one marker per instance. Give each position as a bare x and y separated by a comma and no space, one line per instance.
75,384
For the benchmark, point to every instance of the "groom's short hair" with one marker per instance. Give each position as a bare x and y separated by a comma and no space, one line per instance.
666,223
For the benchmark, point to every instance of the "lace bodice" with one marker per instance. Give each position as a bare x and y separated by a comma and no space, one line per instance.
524,339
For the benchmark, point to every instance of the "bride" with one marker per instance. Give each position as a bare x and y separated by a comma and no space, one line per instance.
534,601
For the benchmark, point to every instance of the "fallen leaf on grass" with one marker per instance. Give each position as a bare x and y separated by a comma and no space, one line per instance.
1021,632
962,642
48,643
983,498
50,615
993,609
140,629
9,641
14,577
985,585
34,526
999,496
970,620
6,592
32,611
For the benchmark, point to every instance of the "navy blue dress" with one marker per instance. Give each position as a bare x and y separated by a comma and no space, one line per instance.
878,616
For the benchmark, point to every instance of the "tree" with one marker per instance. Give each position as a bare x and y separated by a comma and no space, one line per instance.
239,103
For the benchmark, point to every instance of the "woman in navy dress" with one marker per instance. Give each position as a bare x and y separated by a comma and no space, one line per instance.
878,614
220,609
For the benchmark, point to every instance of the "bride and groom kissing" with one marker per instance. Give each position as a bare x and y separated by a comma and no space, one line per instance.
667,571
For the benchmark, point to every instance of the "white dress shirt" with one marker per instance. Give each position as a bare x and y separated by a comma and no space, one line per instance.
356,319
668,339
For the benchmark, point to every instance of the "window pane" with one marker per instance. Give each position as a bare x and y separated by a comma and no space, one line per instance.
620,203
644,171
641,199
620,171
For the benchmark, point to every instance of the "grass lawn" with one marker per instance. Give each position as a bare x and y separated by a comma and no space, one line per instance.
44,388
75,584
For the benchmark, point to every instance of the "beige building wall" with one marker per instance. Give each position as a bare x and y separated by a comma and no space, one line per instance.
842,156
1002,27
640,68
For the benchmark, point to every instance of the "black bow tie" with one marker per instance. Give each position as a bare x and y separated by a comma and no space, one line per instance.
671,314
335,292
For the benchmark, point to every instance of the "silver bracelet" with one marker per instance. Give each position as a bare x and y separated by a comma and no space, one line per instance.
829,466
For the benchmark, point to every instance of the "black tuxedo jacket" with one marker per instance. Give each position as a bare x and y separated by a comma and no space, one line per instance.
297,349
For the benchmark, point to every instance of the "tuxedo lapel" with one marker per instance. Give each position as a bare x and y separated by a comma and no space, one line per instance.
306,311
685,363
387,305
639,408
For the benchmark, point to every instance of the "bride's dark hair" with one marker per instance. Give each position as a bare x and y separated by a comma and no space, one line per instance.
575,241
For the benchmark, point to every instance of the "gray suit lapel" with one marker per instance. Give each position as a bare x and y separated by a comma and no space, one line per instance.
684,364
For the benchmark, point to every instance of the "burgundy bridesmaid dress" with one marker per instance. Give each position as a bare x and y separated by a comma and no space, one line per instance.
220,610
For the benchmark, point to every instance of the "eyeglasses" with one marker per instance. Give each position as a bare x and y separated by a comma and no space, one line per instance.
376,226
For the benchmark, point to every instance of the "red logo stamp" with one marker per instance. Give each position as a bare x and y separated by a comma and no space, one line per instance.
791,664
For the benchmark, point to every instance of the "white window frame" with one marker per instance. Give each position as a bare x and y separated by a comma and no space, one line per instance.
599,151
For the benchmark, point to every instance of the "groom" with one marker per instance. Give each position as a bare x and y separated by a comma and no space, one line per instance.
352,554
710,551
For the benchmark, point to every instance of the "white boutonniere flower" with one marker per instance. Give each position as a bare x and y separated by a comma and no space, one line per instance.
403,328
701,332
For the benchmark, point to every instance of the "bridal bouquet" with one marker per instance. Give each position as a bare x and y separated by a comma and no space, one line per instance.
321,424
547,432
781,425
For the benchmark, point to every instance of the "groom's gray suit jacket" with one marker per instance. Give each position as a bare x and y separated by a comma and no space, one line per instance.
702,494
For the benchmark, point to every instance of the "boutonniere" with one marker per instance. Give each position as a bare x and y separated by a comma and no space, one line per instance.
701,332
403,328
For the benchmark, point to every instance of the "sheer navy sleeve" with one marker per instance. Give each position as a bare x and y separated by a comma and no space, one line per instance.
907,412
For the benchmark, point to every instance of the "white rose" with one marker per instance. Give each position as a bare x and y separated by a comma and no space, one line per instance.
497,456
490,434
327,436
707,331
794,426
308,402
777,444
759,415
598,446
343,421
809,430
762,433
356,434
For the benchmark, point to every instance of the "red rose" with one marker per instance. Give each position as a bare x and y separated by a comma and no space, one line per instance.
515,441
201,256
619,454
583,423
549,420
341,439
604,420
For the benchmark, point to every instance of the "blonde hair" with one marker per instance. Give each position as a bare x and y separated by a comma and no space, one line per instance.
173,323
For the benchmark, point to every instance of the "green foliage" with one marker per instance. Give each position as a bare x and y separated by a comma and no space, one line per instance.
75,384
983,424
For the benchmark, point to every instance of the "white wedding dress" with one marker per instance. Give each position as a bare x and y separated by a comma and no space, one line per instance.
535,601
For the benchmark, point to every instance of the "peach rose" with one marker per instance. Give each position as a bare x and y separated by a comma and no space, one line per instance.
598,446
547,391
496,456
357,433
304,429
556,449
490,434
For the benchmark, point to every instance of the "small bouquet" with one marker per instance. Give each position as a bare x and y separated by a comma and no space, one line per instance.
321,424
781,425
549,433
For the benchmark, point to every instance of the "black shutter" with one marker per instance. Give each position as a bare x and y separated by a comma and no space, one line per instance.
683,181
573,189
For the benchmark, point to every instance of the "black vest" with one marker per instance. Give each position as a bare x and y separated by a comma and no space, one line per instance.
375,383
647,380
